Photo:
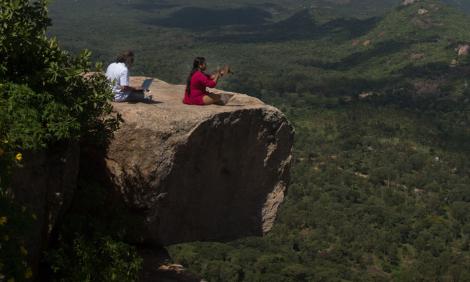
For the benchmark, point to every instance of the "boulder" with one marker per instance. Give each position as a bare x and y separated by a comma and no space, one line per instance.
408,2
422,12
417,56
196,173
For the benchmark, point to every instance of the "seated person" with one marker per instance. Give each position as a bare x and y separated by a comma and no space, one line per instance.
198,81
118,74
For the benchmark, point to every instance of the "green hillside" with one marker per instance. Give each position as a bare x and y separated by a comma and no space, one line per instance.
166,39
380,186
461,4
194,27
380,102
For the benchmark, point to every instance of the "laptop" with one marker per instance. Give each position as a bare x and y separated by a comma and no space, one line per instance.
146,84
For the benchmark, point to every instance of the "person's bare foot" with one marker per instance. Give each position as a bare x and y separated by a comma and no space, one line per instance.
224,99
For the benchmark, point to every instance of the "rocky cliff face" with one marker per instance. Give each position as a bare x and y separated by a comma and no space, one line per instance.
200,173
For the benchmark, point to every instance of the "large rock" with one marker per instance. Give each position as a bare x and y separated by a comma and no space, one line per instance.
200,172
408,2
463,50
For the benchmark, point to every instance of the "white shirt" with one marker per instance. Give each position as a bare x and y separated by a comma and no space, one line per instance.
118,75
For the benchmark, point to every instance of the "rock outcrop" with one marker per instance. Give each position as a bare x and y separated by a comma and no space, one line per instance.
200,173
463,50
408,2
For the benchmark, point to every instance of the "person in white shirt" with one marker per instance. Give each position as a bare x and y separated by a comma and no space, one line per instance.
118,75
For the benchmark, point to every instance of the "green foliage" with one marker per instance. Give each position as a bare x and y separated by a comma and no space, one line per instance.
45,98
91,243
21,118
44,93
14,227
98,259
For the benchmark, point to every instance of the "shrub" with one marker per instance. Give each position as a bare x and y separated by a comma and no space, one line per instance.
98,259
46,97
15,222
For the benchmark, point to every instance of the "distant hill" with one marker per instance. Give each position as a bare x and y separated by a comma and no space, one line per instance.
461,4
166,35
417,35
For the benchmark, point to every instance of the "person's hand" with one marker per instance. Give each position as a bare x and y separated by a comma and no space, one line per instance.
226,69
223,71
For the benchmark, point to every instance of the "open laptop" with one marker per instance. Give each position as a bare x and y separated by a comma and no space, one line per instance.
146,84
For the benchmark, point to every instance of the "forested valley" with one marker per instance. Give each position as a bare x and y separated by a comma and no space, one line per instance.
379,97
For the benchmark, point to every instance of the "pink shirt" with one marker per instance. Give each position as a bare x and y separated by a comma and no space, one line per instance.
199,82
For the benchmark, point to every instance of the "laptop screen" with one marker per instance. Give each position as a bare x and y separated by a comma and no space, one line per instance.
146,84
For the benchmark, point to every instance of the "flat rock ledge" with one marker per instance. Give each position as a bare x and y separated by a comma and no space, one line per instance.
200,173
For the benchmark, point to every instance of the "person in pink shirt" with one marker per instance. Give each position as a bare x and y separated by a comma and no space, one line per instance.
196,87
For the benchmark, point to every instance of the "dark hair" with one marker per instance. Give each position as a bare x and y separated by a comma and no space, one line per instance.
197,62
125,57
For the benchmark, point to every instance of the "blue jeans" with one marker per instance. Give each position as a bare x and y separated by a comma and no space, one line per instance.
131,96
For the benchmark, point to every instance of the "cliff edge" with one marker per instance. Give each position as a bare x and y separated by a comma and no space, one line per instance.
195,173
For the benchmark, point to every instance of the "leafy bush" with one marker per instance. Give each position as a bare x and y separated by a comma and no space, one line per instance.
99,259
14,224
90,243
47,96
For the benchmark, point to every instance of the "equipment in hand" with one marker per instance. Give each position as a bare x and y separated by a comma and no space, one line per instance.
226,70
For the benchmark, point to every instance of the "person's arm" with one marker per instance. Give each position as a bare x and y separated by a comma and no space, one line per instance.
211,80
216,76
221,72
124,82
